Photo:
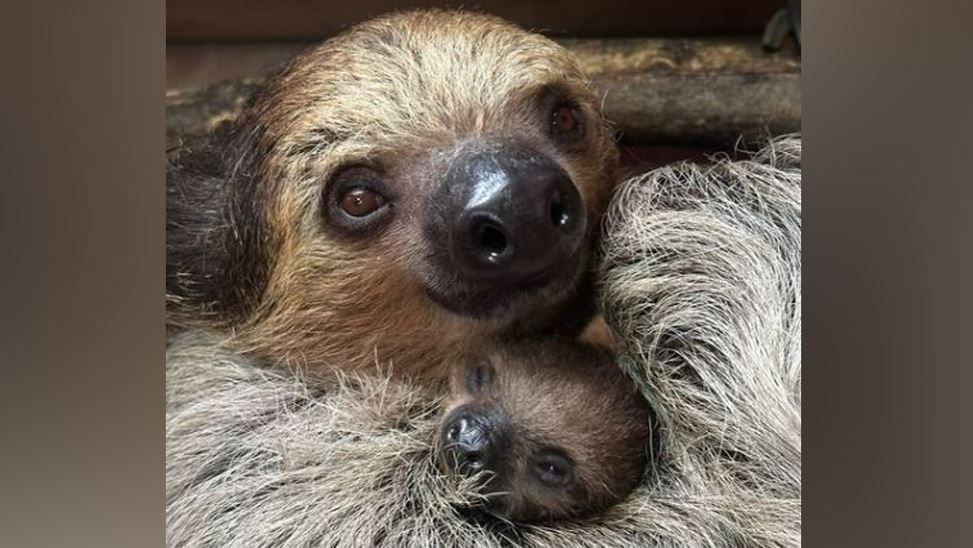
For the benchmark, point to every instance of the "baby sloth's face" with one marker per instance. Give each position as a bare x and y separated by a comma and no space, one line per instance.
551,429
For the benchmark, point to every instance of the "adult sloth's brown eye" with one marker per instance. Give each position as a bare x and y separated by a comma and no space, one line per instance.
358,201
566,125
564,120
361,202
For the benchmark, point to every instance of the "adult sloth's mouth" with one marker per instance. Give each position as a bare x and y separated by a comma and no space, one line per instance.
507,302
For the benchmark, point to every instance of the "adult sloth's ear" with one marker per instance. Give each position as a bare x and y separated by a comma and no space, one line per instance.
217,261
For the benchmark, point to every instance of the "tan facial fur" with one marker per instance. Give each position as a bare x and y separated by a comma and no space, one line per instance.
511,409
404,95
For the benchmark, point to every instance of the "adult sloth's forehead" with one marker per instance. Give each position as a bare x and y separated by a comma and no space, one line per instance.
474,45
437,78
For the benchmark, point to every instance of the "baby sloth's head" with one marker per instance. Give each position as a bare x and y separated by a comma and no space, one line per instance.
551,429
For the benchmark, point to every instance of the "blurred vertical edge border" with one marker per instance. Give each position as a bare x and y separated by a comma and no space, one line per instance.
888,208
82,217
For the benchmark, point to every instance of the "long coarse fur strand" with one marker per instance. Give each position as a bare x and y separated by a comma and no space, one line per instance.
700,276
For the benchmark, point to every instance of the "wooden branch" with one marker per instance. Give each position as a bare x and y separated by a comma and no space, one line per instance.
669,91
694,91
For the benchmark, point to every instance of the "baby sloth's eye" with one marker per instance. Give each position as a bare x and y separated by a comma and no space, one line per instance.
359,202
553,468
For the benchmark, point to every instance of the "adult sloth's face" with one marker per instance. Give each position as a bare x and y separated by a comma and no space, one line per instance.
420,180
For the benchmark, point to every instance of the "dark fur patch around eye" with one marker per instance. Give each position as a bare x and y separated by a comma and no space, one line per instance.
480,376
217,235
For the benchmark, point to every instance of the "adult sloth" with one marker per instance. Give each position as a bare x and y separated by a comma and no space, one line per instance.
415,186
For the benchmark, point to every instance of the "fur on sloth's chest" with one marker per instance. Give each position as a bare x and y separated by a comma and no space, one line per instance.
419,349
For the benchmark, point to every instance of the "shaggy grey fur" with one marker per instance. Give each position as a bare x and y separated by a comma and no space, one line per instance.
701,278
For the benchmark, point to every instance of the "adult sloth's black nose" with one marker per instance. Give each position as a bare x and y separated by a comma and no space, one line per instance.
516,217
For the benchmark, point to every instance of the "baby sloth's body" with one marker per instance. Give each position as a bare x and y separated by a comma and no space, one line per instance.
551,429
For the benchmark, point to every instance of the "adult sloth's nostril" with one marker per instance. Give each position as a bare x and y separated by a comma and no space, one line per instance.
486,240
492,239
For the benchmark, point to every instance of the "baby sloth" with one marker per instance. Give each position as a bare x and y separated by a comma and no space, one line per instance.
549,429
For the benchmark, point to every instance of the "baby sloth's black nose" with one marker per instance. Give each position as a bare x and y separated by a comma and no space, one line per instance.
468,445
518,217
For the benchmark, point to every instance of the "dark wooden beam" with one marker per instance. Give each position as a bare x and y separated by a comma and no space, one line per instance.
681,91
665,91
259,20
